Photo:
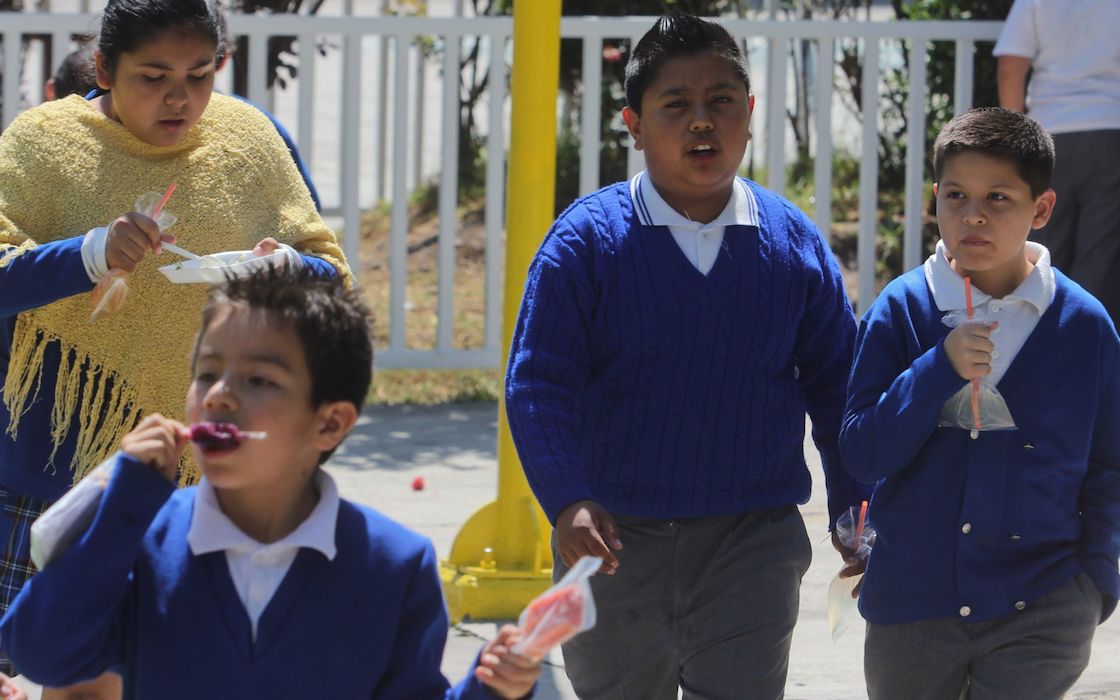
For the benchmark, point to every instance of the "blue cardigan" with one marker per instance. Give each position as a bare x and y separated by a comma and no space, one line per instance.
976,529
638,382
131,596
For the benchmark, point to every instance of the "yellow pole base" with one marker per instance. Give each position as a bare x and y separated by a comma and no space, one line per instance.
481,584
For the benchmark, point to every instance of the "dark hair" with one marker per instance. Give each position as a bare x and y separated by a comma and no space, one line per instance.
332,322
673,35
127,24
75,74
1001,133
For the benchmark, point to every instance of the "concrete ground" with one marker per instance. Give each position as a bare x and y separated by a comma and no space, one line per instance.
454,449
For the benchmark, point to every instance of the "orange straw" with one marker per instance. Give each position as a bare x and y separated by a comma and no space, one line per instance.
167,196
975,382
859,524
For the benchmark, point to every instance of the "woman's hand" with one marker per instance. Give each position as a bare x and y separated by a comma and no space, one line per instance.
130,238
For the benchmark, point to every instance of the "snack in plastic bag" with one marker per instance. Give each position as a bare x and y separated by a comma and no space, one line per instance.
70,516
559,613
109,294
978,406
112,289
856,533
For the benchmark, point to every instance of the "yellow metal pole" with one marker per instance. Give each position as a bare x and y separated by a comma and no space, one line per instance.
501,558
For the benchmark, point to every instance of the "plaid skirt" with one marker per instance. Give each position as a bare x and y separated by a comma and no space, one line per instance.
17,513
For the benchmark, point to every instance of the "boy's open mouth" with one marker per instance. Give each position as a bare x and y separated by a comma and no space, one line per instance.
702,150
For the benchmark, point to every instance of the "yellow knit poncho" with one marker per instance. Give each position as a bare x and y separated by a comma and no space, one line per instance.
66,168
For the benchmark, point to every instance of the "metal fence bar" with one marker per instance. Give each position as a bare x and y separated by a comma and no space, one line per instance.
495,196
351,136
11,77
381,153
869,175
590,120
306,114
962,76
418,132
635,159
822,119
915,157
448,193
258,73
398,226
776,114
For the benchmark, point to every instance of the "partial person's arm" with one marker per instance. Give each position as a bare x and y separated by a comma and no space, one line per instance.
549,363
1011,77
1099,546
69,622
893,403
823,351
1018,44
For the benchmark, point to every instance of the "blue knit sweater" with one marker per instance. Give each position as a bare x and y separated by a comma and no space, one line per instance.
977,529
130,595
638,382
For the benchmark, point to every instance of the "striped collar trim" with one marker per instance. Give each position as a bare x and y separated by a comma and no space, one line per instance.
652,210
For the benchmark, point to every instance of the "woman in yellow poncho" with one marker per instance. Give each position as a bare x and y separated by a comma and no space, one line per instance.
70,172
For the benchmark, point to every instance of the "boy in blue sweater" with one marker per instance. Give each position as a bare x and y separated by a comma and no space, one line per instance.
674,331
997,550
261,575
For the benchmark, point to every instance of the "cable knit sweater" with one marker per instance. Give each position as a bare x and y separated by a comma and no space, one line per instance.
71,387
638,382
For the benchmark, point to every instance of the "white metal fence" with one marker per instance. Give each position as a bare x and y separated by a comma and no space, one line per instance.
386,46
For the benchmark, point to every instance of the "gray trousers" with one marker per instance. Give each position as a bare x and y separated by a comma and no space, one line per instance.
707,605
1036,653
1083,234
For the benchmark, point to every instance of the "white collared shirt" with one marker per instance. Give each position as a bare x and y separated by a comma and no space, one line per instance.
1017,313
258,569
700,242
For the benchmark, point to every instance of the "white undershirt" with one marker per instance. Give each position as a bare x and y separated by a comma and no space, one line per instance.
700,242
258,569
1017,313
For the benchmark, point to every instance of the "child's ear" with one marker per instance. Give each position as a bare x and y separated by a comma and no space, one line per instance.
1043,208
336,418
101,73
935,190
634,125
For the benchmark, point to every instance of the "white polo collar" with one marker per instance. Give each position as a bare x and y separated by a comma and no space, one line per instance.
1037,289
741,209
212,531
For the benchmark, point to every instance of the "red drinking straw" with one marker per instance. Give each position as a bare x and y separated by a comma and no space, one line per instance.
975,382
171,189
859,524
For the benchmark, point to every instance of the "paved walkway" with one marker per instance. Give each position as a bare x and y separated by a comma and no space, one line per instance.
453,448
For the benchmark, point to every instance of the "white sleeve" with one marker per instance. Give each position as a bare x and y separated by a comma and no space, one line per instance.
93,253
1019,36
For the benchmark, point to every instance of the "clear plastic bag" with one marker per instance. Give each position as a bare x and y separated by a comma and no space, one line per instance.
560,613
111,290
958,411
70,516
856,533
978,406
